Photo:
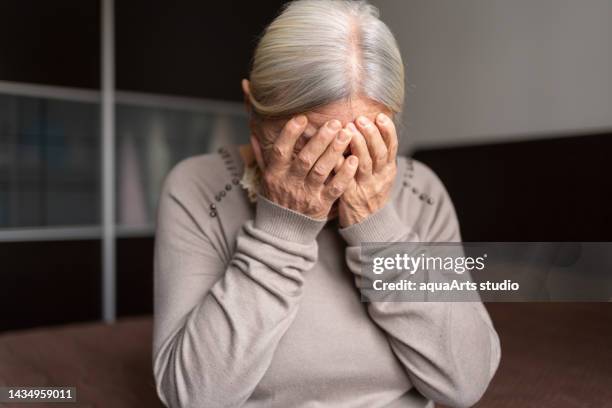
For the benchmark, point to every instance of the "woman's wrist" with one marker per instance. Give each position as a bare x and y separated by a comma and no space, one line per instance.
350,214
384,225
285,223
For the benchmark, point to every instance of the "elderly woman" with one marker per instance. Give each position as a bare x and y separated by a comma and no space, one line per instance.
257,248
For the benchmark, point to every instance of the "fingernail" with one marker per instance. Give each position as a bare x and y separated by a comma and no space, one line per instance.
363,121
352,160
343,136
334,124
300,120
351,127
382,118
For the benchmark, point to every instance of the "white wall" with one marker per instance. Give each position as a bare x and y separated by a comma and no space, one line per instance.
479,70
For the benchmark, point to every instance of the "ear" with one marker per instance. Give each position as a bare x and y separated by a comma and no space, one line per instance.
246,90
257,151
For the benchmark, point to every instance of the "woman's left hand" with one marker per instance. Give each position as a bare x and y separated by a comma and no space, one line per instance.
375,145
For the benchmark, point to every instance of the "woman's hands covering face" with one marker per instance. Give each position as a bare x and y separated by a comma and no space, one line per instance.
375,145
300,182
362,182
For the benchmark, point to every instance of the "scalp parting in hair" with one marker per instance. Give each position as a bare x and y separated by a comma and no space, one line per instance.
321,51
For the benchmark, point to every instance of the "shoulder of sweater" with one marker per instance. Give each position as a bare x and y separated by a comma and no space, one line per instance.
420,180
210,177
208,185
423,201
192,174
201,199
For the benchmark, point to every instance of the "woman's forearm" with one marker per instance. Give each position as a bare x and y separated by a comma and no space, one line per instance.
220,349
450,350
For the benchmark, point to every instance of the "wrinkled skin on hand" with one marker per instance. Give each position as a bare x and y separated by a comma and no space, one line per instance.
304,182
375,145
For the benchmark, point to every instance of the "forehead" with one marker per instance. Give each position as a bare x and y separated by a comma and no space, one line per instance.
346,111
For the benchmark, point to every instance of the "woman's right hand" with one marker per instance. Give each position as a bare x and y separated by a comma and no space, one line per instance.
298,183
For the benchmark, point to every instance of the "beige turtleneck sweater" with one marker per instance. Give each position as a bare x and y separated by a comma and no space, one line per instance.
256,305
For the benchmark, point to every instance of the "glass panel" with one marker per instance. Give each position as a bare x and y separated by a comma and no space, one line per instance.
151,140
49,162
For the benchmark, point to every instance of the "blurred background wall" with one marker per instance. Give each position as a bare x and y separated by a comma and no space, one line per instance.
177,69
479,73
483,70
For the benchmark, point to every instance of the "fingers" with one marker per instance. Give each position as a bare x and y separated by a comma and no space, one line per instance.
359,148
282,149
389,135
339,163
329,159
339,183
376,145
310,153
309,132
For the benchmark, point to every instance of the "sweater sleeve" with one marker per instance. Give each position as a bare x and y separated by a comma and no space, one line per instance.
449,350
217,325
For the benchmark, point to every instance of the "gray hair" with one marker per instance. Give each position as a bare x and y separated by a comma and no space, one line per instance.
321,51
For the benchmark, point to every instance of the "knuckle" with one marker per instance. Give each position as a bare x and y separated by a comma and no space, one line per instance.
277,152
303,161
381,156
336,189
319,171
365,165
